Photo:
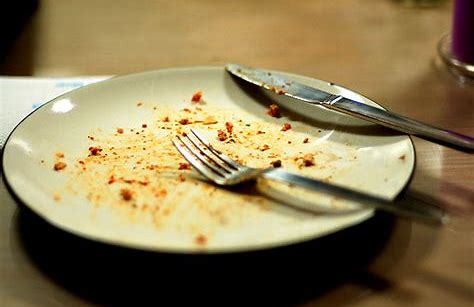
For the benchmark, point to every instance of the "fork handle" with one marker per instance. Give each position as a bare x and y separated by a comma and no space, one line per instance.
425,213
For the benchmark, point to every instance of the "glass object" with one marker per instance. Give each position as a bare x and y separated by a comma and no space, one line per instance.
457,50
462,44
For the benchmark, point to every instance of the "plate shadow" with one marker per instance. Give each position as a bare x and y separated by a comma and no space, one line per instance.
117,276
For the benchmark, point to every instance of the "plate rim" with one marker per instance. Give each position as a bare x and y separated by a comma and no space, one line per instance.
369,212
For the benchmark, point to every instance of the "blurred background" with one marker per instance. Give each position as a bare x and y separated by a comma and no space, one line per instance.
369,46
66,38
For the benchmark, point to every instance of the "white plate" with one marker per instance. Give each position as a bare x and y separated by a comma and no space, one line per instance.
166,214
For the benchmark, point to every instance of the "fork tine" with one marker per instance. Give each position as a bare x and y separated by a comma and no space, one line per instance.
217,153
204,150
197,164
195,152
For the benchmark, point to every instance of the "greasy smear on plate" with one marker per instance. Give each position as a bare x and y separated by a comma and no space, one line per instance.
136,171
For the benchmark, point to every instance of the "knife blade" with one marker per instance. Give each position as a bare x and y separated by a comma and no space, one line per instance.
281,85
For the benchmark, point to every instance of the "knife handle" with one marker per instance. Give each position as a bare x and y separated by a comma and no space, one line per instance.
401,123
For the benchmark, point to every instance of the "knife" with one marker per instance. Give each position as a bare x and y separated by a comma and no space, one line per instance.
283,86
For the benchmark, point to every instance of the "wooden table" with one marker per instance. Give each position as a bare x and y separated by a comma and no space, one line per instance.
376,47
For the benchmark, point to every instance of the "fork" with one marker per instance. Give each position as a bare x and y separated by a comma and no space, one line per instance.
224,171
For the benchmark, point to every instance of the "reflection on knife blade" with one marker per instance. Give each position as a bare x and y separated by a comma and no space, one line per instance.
283,86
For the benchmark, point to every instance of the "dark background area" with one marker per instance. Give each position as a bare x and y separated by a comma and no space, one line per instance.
14,16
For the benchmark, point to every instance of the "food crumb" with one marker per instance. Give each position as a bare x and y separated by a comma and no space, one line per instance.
197,96
126,194
200,240
165,119
221,135
286,126
276,163
120,130
181,178
306,140
144,125
59,166
274,111
264,147
90,137
161,193
402,157
184,166
229,126
60,154
209,121
139,104
95,150
184,121
308,160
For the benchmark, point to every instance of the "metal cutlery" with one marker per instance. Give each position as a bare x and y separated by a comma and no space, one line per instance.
284,86
222,170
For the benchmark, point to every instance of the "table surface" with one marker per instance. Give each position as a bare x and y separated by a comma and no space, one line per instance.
383,49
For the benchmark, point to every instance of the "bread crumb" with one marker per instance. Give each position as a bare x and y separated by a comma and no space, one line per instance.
308,160
274,111
210,120
200,239
276,163
221,135
57,197
286,126
229,126
126,194
95,150
58,166
161,193
184,166
197,96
